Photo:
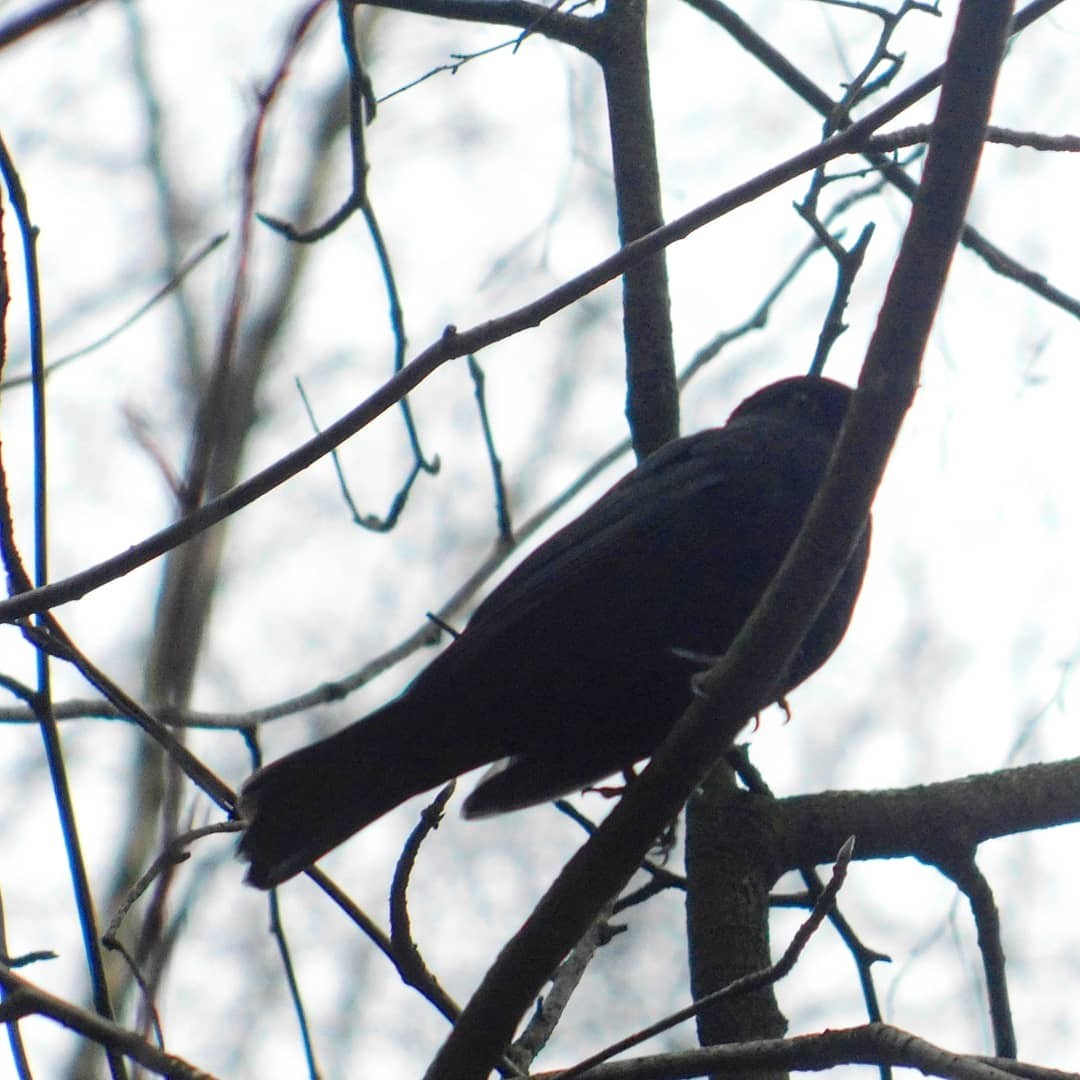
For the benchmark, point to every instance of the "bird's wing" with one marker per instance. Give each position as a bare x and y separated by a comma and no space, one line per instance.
711,465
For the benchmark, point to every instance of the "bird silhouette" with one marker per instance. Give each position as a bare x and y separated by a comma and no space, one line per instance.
578,664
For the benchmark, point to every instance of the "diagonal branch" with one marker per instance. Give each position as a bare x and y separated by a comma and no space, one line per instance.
451,345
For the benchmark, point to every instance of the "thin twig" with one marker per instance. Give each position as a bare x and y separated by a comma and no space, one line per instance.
170,286
961,869
42,703
564,982
1034,140
277,931
407,958
502,509
15,1040
743,985
32,20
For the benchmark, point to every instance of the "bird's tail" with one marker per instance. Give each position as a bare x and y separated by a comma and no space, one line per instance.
304,804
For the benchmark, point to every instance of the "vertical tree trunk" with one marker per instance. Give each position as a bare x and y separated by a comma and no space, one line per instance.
730,869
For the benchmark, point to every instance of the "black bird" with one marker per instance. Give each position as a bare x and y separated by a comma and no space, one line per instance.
580,662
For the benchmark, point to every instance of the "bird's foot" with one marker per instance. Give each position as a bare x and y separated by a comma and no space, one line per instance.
614,790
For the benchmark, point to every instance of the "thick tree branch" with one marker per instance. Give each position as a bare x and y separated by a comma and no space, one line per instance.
932,822
871,1044
574,30
23,998
652,394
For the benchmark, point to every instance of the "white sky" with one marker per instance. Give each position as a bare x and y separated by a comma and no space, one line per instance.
968,615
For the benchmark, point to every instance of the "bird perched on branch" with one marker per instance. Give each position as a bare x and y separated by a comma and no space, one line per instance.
580,662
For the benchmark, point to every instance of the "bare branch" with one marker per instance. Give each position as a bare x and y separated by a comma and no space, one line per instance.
451,345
